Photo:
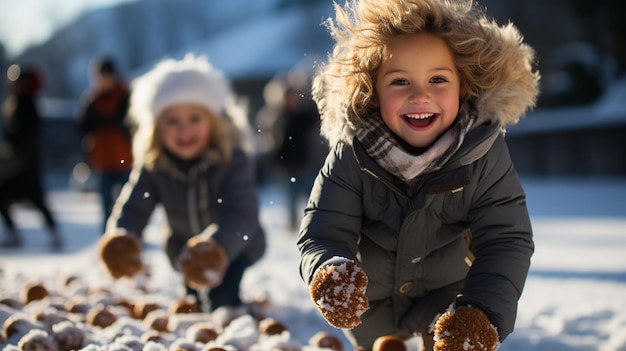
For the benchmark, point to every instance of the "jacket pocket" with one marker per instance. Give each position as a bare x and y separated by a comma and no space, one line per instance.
448,263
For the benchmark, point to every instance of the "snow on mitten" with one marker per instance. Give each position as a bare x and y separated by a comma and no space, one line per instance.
120,253
466,328
202,262
338,291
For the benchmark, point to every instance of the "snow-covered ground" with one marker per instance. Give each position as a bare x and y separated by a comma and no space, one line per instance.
575,297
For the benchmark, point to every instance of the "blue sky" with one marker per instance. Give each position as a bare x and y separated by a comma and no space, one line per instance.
27,22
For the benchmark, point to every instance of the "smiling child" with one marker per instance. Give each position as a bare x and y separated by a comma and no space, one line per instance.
417,222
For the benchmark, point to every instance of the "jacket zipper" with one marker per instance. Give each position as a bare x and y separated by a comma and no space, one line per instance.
380,179
388,183
194,222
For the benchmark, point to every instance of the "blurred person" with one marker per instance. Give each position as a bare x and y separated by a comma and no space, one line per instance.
417,223
107,134
296,154
298,149
20,154
194,158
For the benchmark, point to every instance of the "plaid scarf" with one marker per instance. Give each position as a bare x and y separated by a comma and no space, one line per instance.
390,155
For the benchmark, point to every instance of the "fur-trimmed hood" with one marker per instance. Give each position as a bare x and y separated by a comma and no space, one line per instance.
516,93
503,63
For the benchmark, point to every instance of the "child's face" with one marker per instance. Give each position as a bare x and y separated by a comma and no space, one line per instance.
184,130
418,88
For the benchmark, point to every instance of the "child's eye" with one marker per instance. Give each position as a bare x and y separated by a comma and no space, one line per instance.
196,118
400,82
438,80
169,121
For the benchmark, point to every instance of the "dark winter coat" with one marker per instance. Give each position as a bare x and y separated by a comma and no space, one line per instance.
412,247
464,236
21,144
20,150
107,134
206,193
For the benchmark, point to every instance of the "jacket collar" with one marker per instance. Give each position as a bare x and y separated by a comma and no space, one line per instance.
180,169
453,174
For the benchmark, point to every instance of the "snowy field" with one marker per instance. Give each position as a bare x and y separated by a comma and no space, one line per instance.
575,297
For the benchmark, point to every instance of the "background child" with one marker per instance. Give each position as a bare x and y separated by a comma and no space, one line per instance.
418,206
192,157
107,136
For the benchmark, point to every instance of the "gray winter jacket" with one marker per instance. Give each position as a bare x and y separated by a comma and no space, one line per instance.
207,193
466,232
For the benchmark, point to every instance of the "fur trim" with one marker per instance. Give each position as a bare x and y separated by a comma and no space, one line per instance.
516,92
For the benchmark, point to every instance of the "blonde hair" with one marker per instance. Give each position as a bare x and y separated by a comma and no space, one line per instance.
486,55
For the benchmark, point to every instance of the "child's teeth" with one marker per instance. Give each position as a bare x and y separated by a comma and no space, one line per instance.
420,115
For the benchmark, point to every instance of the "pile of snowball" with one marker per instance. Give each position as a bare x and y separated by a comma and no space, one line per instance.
77,317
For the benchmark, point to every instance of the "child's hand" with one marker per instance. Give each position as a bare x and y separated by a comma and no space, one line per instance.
202,263
465,328
338,291
120,253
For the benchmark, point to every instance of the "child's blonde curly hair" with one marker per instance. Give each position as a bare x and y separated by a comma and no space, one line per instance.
487,56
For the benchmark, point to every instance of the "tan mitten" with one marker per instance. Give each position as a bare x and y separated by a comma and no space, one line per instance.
338,291
120,253
465,328
202,262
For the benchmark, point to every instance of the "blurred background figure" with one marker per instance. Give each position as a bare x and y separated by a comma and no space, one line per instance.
106,132
289,125
20,153
580,73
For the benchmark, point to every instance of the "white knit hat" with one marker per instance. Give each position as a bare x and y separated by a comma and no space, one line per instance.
190,80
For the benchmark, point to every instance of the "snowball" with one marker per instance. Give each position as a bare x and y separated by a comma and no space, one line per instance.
37,340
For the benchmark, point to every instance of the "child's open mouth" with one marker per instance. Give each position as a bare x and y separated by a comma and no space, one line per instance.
420,120
186,143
